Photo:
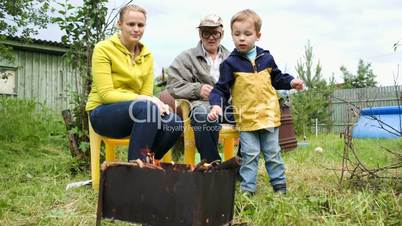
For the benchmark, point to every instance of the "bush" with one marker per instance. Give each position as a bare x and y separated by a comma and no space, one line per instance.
310,105
313,103
28,122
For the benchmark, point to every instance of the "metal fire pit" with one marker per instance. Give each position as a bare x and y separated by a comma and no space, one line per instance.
175,196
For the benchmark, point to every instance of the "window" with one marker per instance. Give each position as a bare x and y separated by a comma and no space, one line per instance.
7,81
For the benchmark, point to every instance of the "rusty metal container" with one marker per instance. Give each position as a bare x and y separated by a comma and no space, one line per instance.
287,135
169,198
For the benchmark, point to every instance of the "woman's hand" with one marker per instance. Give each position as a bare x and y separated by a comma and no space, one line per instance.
163,108
215,112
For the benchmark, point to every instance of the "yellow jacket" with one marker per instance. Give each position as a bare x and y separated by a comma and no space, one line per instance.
115,77
251,84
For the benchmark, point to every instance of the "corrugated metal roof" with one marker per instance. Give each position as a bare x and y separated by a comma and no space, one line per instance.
37,41
36,45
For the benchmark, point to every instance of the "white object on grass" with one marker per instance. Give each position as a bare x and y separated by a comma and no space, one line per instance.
78,184
318,149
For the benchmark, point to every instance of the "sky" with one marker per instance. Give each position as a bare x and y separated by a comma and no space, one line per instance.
340,31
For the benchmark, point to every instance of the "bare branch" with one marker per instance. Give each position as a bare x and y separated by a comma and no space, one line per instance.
354,167
399,155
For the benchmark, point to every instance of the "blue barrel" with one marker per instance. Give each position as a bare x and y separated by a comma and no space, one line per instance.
388,124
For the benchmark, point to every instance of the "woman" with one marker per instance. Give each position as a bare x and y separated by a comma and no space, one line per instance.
120,103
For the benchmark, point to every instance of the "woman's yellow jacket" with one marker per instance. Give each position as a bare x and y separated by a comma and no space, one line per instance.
116,78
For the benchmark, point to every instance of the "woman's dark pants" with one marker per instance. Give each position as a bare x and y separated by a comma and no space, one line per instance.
141,121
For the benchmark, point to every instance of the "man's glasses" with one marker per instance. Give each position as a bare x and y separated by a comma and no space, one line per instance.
214,34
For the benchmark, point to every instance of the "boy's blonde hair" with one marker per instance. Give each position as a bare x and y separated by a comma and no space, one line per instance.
245,15
132,7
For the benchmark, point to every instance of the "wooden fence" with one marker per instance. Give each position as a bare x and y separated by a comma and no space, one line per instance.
340,103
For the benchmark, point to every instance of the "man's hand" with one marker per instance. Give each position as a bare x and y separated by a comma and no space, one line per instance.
205,91
297,84
215,112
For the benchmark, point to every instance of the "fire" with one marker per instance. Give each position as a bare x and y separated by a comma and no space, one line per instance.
148,160
156,162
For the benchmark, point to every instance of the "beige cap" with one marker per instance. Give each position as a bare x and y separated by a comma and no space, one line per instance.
211,21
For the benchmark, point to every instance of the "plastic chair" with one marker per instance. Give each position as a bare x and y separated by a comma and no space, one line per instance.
110,147
227,135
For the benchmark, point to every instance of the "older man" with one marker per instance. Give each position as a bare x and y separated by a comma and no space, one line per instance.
192,76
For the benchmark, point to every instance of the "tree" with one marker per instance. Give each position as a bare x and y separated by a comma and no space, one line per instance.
364,77
304,69
84,26
313,103
21,18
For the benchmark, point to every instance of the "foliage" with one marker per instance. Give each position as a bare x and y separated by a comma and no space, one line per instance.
304,69
364,77
25,121
84,26
313,103
22,18
35,193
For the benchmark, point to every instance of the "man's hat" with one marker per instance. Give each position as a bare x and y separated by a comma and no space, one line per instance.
211,21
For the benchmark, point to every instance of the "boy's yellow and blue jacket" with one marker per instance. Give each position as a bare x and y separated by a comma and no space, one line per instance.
252,88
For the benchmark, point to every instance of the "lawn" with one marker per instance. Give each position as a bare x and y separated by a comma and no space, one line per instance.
33,181
35,172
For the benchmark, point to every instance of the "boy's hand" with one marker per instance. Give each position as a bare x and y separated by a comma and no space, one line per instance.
297,84
215,112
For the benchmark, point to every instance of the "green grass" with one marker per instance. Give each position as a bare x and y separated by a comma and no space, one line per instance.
33,181
315,197
36,166
32,185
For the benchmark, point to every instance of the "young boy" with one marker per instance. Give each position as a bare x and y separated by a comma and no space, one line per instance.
250,76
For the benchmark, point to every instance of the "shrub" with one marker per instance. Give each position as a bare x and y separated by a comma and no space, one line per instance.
27,121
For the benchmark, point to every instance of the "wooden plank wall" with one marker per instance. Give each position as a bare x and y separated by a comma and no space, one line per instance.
46,78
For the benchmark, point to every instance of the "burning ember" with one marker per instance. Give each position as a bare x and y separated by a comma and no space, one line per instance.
203,166
156,193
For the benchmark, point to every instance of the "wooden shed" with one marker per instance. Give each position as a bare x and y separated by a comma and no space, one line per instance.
40,72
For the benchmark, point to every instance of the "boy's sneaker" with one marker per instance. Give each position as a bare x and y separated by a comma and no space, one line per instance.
280,188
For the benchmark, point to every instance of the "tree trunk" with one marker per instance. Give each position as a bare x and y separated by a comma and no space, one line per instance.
72,138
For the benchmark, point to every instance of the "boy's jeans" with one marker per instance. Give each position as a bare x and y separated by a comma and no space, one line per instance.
251,144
